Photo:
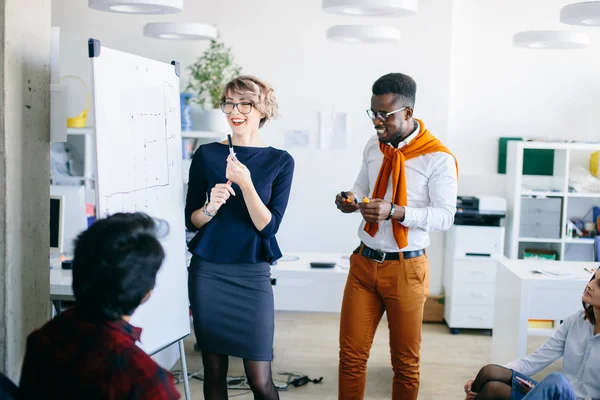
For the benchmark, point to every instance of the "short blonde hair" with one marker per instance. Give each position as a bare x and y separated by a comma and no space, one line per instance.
261,94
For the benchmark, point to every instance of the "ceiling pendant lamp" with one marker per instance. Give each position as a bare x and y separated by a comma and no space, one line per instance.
363,34
180,31
138,6
557,40
371,8
585,14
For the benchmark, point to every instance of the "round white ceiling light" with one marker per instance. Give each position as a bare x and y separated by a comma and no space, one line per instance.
363,34
585,14
180,31
556,40
372,8
138,6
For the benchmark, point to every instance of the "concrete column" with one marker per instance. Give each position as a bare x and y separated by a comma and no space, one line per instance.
24,175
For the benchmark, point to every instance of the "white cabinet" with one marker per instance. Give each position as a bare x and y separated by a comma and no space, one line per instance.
81,142
470,275
540,207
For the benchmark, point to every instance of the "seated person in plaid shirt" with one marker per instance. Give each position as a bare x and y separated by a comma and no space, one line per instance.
90,351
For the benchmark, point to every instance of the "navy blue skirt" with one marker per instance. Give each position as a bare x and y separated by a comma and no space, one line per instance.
233,309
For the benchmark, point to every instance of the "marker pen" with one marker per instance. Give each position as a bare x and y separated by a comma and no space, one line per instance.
230,146
347,198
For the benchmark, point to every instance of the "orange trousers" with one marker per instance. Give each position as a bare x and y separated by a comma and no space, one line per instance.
399,288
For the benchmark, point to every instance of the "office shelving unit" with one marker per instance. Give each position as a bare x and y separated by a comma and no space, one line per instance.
539,207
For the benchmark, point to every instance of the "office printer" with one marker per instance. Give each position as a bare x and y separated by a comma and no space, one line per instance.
480,210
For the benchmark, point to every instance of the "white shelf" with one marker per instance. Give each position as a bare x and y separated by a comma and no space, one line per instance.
88,130
583,194
553,240
568,240
579,241
74,179
543,194
202,135
540,240
560,145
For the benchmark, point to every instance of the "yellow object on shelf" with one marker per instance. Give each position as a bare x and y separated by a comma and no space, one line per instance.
80,120
595,164
541,323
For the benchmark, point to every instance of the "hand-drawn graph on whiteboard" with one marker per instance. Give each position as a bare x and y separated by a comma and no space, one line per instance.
138,143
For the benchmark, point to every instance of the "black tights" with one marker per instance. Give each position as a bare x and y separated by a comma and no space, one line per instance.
493,382
215,377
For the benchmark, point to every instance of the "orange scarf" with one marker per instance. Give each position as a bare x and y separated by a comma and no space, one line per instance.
393,164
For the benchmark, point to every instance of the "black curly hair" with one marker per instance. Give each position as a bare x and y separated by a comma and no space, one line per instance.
403,86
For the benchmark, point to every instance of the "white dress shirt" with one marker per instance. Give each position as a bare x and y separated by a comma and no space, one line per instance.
574,340
431,185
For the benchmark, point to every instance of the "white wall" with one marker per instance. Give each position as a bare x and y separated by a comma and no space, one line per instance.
502,90
473,85
284,42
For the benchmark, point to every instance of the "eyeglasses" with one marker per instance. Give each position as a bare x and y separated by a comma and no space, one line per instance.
243,107
382,115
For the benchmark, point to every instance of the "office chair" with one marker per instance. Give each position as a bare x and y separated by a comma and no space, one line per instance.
8,390
597,249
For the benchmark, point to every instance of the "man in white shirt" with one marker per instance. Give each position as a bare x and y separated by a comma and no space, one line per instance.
405,189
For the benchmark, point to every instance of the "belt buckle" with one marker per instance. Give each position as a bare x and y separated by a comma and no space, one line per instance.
377,252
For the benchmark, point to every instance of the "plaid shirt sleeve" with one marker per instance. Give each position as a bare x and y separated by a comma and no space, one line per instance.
144,379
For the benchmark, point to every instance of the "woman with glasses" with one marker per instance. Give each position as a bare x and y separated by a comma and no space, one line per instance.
236,202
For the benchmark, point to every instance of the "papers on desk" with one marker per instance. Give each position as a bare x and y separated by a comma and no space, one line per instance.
287,257
553,273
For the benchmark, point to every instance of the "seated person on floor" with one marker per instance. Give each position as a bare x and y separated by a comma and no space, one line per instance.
577,340
89,351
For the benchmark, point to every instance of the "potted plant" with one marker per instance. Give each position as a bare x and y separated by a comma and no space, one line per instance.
208,76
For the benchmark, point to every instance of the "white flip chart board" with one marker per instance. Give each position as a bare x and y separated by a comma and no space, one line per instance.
138,144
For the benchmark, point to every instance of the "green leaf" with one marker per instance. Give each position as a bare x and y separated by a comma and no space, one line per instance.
211,72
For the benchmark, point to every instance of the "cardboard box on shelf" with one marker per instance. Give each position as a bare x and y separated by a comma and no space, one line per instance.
434,309
541,323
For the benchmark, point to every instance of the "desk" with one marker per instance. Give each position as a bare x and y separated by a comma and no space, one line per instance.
296,286
61,281
522,295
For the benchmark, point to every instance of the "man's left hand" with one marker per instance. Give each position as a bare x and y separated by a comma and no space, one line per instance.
376,210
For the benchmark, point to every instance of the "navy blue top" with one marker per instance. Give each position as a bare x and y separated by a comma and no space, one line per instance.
231,237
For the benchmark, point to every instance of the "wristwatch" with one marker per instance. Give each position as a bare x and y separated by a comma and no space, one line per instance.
205,211
392,211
